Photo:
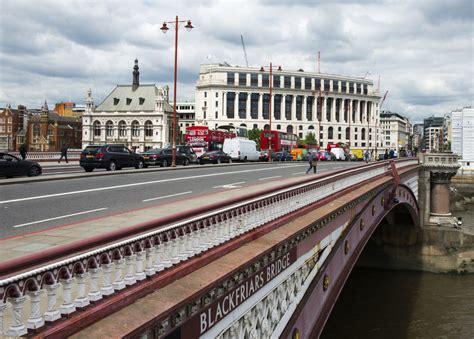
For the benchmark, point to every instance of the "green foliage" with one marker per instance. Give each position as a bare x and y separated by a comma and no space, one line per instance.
311,139
254,134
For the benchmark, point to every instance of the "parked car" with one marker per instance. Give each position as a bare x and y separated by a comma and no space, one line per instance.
189,152
164,157
110,156
264,156
326,156
282,156
11,166
214,157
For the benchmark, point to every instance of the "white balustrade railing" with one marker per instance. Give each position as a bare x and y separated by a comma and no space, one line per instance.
80,280
48,156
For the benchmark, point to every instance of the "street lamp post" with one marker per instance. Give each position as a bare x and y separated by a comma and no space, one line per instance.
270,85
165,29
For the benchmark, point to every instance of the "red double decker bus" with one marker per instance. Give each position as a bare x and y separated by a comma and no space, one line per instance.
203,139
280,141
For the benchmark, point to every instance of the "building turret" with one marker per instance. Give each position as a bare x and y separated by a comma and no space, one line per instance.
136,76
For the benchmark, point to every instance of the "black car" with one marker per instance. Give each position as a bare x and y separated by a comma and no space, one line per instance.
111,157
163,157
188,151
214,157
264,156
282,156
11,166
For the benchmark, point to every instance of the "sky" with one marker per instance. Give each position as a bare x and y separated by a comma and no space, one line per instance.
422,50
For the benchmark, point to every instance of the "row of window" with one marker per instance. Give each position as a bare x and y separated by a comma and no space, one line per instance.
299,83
128,101
2,129
2,120
122,128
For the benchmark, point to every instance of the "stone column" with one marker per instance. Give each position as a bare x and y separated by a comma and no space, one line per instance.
435,176
260,107
236,105
224,106
247,106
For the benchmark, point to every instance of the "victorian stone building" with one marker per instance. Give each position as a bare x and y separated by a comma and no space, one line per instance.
138,116
13,125
49,132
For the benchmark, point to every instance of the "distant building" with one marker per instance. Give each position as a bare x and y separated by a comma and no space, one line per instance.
13,124
138,116
447,127
335,108
462,142
186,115
417,137
432,128
49,132
396,131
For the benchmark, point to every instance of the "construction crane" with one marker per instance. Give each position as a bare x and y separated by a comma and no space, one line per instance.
383,100
245,52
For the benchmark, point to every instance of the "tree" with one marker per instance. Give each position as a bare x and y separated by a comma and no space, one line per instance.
254,134
310,139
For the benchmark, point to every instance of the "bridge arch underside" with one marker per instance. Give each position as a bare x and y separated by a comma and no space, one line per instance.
390,217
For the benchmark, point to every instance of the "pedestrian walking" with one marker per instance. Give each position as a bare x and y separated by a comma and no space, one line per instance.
313,163
63,154
23,150
366,156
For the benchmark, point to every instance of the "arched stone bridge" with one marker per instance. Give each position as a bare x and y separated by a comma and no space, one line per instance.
270,264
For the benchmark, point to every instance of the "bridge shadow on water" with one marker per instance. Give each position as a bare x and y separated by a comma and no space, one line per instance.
377,302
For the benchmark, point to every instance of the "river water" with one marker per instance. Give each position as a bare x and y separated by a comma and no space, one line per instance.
403,304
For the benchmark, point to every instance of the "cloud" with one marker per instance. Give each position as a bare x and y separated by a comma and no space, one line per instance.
56,50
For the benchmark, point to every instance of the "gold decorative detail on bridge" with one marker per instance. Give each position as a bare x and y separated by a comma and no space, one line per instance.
347,247
296,334
326,282
373,210
361,224
382,201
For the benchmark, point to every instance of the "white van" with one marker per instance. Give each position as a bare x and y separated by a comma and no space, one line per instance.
339,153
241,149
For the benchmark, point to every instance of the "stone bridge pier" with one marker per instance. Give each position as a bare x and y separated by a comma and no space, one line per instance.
435,175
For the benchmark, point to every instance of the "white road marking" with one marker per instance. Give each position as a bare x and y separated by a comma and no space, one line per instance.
230,185
298,173
338,167
168,196
61,217
276,176
139,184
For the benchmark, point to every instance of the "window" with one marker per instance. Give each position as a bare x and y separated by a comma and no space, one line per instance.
116,101
330,133
129,101
135,129
297,82
36,130
141,101
205,94
265,80
287,82
242,79
307,83
122,129
148,128
97,128
230,78
217,95
109,129
254,79
276,81
217,103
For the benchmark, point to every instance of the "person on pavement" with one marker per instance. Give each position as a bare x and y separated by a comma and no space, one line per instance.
63,154
313,162
23,150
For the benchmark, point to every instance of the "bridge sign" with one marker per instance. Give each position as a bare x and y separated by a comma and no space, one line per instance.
215,312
